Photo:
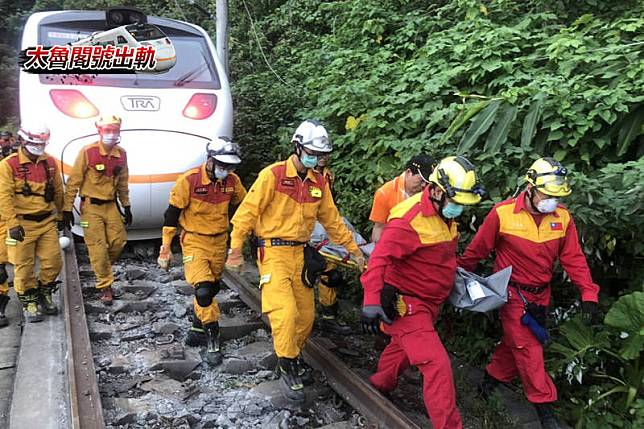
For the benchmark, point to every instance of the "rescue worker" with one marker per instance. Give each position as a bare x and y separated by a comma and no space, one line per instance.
529,233
411,273
5,151
410,182
331,278
199,203
282,207
99,176
31,200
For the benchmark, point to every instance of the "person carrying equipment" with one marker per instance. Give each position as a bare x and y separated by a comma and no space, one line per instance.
412,181
99,176
199,203
31,201
411,273
529,233
282,207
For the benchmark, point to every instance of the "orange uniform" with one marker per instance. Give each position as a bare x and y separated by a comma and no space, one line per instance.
386,198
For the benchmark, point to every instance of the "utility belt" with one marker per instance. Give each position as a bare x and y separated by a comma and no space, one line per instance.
278,242
38,217
534,316
206,235
96,201
535,290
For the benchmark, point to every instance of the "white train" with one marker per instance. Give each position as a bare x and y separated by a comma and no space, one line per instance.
135,36
167,117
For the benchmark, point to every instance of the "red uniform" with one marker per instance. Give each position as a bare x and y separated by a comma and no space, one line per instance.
417,255
530,244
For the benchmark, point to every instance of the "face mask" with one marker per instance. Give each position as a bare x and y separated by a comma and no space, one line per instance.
309,161
35,149
110,139
452,210
547,206
220,173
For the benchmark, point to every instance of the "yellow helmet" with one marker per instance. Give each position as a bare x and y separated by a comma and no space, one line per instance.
108,120
547,175
455,175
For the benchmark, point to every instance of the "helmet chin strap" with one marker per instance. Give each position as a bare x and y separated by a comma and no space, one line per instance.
531,199
440,202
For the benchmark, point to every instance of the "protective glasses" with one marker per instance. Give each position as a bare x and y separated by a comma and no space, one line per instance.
315,153
42,138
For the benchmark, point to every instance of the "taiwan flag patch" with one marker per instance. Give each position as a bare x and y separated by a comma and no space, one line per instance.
556,226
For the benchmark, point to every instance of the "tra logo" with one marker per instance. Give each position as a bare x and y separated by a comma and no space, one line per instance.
137,103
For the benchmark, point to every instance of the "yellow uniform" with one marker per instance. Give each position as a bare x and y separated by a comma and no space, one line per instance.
31,196
204,220
99,177
282,209
4,287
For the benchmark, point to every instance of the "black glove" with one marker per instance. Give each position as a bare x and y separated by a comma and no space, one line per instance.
68,220
371,317
17,233
590,312
128,215
3,274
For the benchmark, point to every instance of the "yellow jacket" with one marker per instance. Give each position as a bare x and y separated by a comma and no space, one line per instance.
18,169
204,204
281,205
98,174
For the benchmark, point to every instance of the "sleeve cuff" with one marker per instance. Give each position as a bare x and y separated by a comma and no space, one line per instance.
590,296
167,235
236,242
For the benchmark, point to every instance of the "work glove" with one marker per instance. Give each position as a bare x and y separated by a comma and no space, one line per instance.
165,258
17,233
359,261
235,260
590,312
3,274
371,317
68,220
128,215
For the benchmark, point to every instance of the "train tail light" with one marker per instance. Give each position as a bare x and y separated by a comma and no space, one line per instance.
72,103
200,106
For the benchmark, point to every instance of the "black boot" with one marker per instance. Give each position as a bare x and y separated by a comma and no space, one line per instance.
290,382
330,323
4,300
488,385
213,352
196,335
547,417
304,371
30,307
46,299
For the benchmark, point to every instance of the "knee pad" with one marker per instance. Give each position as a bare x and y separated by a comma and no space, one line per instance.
205,292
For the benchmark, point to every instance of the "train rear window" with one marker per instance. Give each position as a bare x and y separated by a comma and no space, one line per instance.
144,32
195,67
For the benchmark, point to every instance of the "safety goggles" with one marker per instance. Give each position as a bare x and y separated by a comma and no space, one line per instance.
41,138
554,184
321,144
229,148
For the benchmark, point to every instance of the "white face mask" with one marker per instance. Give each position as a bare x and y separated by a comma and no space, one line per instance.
110,139
547,206
35,149
220,173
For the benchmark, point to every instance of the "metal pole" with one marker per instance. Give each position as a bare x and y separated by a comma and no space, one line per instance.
222,32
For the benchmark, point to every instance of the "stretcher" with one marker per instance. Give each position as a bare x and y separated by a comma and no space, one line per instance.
335,253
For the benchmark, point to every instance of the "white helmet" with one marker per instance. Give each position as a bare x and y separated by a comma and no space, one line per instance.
312,135
224,150
35,136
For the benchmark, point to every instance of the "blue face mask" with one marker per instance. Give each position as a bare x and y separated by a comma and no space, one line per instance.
309,161
452,210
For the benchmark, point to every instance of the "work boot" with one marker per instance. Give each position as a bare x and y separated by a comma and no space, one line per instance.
487,386
45,297
547,417
30,307
196,335
4,300
213,351
330,323
105,295
304,371
290,382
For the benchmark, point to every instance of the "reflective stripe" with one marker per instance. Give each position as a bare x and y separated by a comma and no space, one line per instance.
84,224
187,258
10,242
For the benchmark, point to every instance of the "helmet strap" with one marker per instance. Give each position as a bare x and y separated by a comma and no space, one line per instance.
531,194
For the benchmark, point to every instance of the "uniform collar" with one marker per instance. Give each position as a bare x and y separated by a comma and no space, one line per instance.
520,205
115,152
205,179
426,206
291,170
23,158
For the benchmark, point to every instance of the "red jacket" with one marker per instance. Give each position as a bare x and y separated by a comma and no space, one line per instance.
416,254
531,244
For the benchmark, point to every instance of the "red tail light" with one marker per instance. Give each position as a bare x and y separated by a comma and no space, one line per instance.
72,103
200,106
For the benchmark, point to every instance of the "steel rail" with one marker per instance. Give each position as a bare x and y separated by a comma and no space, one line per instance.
365,399
84,398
